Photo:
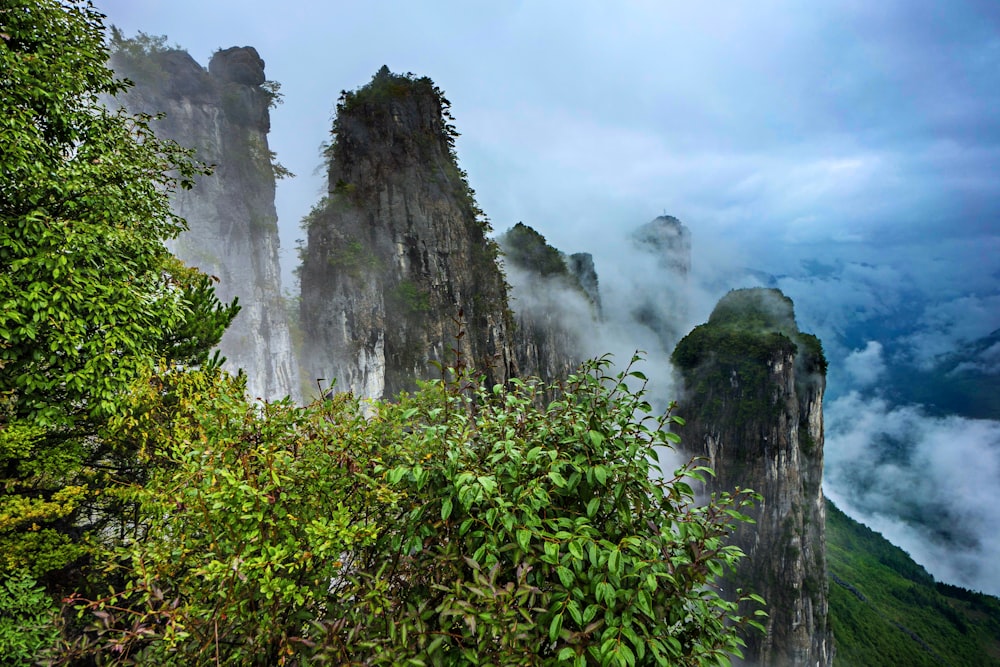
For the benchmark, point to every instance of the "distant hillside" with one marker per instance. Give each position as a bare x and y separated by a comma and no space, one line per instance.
887,611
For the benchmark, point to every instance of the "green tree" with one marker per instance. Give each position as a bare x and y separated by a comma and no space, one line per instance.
89,295
458,525
544,535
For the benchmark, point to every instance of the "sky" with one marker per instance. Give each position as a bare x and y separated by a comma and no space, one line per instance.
848,151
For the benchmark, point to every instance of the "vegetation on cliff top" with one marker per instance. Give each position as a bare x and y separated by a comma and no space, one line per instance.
526,248
390,99
748,330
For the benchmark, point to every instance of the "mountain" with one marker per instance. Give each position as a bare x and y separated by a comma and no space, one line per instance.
753,401
398,273
224,114
668,241
887,610
555,300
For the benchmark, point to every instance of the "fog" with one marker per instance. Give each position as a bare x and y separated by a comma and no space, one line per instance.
931,487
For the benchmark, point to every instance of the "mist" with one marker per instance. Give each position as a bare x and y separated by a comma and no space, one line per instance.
931,485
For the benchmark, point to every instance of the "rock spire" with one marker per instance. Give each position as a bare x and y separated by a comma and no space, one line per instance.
754,408
223,114
398,272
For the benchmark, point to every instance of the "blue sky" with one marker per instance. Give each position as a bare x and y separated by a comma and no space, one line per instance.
858,137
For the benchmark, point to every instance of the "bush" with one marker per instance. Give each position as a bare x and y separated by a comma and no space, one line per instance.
459,525
27,620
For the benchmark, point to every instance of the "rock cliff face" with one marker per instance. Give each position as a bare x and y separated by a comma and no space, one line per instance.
555,302
223,113
398,270
754,408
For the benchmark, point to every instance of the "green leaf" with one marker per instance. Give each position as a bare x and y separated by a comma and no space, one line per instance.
573,607
615,561
446,506
555,627
645,602
523,539
435,645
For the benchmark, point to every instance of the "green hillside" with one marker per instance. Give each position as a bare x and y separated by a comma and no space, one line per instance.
886,610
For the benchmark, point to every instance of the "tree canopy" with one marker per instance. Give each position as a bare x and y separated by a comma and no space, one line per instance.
89,294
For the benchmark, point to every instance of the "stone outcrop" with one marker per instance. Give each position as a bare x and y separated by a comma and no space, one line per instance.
223,113
753,403
581,266
670,240
398,272
555,301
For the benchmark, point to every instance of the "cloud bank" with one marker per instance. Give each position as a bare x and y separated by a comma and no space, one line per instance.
930,485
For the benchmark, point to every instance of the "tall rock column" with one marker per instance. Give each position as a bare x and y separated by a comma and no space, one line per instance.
555,301
223,113
398,271
753,403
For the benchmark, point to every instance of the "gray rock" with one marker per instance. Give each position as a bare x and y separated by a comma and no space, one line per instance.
753,404
233,233
238,64
398,274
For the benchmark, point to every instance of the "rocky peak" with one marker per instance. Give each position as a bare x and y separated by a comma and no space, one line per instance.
398,271
223,113
551,305
581,266
666,242
753,401
669,239
238,64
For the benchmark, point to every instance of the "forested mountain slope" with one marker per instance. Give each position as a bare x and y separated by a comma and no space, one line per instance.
886,609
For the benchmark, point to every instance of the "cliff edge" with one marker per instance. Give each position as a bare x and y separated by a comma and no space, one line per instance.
223,113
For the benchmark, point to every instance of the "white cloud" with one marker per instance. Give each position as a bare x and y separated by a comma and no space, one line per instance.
945,325
866,366
930,485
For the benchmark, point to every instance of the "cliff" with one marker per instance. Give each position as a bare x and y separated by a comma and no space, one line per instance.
555,302
753,401
397,270
223,113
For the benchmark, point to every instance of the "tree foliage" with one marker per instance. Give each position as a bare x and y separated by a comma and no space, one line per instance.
458,525
89,295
